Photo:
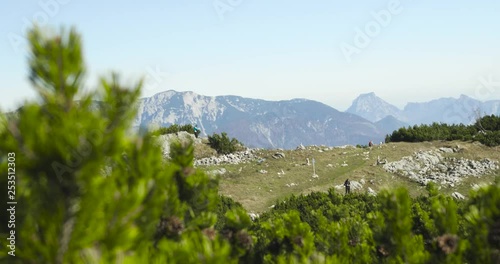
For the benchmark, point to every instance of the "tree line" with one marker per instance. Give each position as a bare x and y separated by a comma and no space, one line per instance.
485,130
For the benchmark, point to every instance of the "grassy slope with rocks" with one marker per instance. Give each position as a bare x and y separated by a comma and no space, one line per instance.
257,191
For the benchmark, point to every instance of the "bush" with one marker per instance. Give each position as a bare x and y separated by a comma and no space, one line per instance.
222,144
174,129
489,138
77,170
225,204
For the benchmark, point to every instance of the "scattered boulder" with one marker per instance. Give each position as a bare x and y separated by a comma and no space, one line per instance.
279,155
457,196
455,149
356,185
446,150
263,172
458,148
371,191
381,161
476,186
346,146
220,171
253,216
300,147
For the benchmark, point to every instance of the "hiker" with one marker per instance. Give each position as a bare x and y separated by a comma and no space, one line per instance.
196,131
370,144
347,185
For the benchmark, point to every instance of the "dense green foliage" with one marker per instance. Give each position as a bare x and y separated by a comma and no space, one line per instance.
391,227
87,192
174,129
222,144
486,130
225,204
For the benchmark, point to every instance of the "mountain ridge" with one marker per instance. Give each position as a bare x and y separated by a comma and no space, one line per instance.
258,122
463,109
289,123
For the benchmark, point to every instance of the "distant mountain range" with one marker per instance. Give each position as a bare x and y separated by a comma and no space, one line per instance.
259,123
447,110
287,124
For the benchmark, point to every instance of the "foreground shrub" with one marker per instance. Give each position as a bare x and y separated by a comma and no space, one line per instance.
86,191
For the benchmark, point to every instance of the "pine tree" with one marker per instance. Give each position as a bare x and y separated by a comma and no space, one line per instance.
88,192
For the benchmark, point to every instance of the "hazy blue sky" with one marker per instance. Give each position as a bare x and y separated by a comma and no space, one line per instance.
273,49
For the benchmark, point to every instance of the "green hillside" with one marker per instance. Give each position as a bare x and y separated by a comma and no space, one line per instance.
258,191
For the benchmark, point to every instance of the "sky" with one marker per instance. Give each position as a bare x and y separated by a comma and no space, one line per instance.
325,50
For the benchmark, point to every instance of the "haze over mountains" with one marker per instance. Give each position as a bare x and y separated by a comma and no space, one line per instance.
289,123
446,110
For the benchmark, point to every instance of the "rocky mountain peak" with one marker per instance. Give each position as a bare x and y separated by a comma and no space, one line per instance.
372,107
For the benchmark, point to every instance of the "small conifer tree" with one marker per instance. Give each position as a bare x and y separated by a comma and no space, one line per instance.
88,192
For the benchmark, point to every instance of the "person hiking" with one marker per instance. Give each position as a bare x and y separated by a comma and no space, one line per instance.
347,185
196,131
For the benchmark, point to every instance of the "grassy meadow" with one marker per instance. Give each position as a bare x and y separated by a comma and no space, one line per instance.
258,191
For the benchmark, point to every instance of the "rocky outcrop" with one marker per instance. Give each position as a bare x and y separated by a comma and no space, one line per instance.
183,137
425,166
232,158
355,186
